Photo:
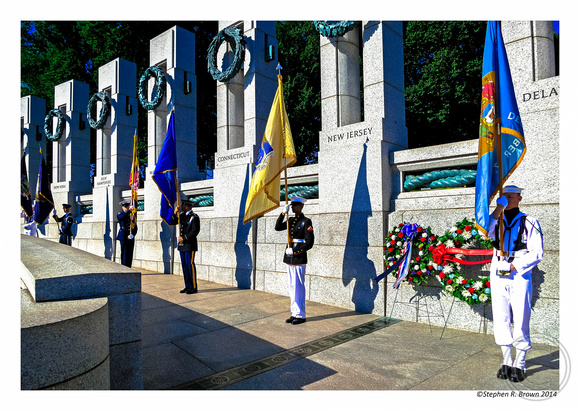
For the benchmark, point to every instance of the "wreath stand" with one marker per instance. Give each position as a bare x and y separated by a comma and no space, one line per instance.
418,306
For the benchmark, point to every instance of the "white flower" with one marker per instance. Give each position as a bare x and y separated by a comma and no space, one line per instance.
397,230
449,243
398,256
477,285
459,280
399,243
447,269
449,288
467,235
483,298
393,237
466,293
421,252
416,267
424,235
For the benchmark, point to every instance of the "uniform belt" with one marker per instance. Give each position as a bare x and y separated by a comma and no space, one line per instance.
298,240
518,253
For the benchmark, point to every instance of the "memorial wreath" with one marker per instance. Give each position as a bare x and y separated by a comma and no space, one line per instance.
59,125
161,84
438,256
105,110
233,36
334,30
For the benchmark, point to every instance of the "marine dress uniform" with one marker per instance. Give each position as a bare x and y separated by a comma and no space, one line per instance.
511,284
126,236
67,222
296,257
188,245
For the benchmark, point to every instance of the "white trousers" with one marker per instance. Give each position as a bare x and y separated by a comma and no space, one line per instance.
296,274
512,294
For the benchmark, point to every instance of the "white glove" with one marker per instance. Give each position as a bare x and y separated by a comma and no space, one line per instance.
286,209
289,251
502,201
131,236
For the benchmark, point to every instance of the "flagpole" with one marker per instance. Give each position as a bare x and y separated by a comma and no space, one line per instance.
286,198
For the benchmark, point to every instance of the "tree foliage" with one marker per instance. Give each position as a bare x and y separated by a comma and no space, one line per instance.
299,55
442,80
53,52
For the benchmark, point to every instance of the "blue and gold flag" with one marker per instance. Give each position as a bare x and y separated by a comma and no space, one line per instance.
501,135
165,173
276,154
44,203
25,197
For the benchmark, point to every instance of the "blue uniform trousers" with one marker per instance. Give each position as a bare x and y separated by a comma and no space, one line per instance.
188,267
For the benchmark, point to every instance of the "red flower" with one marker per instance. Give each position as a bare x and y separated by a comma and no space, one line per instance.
468,227
431,248
419,229
430,267
417,258
442,275
487,284
401,234
432,238
423,239
391,250
464,282
459,231
419,272
393,242
401,225
458,242
471,290
449,282
410,279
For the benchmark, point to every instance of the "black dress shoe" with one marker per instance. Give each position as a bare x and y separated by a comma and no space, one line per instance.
298,321
191,291
517,375
184,290
289,320
504,372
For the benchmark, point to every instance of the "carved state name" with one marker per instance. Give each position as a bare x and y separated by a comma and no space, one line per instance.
350,134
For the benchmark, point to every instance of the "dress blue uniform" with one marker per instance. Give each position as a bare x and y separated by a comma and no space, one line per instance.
126,236
301,240
188,246
67,222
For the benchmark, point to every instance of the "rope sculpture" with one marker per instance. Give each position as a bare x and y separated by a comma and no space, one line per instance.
440,179
334,30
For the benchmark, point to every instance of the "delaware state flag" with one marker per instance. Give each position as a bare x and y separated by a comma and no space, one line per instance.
501,135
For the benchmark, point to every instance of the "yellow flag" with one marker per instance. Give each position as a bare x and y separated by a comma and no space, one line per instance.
134,182
276,153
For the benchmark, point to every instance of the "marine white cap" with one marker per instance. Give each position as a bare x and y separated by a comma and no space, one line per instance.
512,189
298,200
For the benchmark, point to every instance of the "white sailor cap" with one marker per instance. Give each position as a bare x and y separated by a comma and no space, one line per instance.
124,202
297,199
512,189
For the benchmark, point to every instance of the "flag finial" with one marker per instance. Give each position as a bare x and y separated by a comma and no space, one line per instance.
279,67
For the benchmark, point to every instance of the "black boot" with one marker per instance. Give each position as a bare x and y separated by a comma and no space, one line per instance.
504,372
517,375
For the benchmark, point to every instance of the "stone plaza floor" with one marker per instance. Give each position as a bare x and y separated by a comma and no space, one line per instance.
228,338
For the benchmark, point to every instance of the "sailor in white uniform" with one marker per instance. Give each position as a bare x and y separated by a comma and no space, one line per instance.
511,280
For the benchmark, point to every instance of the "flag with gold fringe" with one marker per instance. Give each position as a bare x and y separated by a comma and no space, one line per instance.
165,173
276,154
501,135
134,183
43,203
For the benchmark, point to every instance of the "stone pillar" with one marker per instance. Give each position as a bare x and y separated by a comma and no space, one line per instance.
71,153
340,85
243,107
530,48
174,52
114,147
357,154
33,111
